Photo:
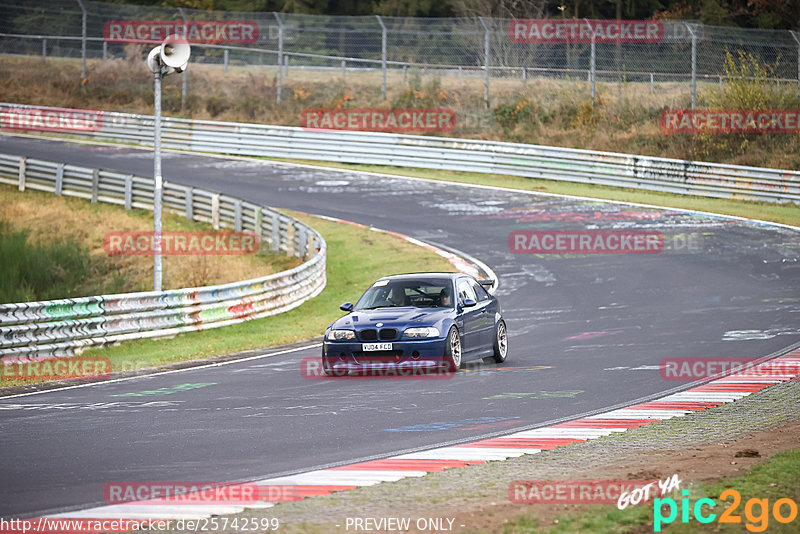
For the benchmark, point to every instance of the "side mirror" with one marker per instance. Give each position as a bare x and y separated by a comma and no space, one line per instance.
347,306
468,303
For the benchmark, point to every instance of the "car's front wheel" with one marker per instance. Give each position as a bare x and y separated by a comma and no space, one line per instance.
500,343
452,350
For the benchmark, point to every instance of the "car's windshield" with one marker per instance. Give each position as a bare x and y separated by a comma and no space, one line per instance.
416,293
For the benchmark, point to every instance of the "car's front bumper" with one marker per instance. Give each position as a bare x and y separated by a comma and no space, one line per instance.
423,354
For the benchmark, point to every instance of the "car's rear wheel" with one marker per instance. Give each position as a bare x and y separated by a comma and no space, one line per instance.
500,343
452,350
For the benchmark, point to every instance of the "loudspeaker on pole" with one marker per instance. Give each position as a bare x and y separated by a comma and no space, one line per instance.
172,53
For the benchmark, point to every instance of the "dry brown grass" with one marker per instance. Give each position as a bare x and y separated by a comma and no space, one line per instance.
624,119
48,218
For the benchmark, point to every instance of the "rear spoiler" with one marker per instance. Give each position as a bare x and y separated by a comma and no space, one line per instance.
487,283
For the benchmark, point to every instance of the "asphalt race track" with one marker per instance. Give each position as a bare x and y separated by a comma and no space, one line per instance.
586,332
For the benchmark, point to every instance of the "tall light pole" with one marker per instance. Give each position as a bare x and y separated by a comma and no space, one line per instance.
170,56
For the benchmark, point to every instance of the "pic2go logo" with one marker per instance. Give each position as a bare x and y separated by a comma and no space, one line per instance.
756,521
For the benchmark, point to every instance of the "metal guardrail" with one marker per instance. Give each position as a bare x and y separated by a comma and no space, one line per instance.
533,161
31,330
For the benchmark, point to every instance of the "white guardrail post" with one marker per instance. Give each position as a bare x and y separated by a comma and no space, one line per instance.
33,330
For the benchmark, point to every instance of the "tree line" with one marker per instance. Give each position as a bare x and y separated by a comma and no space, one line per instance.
772,14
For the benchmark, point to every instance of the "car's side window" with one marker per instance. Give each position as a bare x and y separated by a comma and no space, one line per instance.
465,292
483,296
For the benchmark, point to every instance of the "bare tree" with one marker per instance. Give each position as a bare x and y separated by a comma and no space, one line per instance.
506,9
504,53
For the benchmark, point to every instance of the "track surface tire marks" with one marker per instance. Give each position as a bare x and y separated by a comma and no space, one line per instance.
600,323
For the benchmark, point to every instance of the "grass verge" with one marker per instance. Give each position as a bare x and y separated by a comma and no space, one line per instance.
73,230
38,271
767,483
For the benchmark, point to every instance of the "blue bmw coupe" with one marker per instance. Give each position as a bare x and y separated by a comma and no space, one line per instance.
417,321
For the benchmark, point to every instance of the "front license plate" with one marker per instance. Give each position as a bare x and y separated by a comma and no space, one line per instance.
366,347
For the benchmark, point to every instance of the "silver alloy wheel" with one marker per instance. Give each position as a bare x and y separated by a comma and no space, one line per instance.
502,341
455,349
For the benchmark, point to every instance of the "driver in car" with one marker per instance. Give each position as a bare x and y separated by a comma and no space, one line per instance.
445,299
397,297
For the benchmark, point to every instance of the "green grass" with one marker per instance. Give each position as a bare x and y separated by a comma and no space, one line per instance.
776,478
34,271
767,211
357,256
52,248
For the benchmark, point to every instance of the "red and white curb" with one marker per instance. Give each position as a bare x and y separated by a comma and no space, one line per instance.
417,464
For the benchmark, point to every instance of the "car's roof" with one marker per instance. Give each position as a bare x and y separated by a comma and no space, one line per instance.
419,276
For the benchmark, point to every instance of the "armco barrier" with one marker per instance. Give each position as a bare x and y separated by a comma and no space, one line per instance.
31,330
533,161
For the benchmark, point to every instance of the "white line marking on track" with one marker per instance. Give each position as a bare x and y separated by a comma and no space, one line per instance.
159,373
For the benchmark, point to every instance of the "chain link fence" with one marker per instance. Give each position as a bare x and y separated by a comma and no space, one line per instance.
482,48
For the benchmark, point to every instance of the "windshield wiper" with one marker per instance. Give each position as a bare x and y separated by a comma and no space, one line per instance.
381,306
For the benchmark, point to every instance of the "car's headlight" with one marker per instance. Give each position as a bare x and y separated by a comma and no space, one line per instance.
340,335
423,331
